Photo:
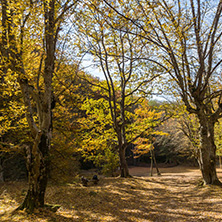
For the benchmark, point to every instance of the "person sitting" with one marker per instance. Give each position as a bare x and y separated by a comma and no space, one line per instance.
84,181
95,179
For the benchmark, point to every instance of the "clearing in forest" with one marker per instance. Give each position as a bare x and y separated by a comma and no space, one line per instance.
173,196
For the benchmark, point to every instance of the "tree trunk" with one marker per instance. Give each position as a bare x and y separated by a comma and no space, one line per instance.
38,170
151,164
123,164
207,157
154,161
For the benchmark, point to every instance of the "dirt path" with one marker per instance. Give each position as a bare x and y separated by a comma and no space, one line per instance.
172,197
178,196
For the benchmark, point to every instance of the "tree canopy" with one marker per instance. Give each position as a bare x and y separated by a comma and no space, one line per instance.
50,108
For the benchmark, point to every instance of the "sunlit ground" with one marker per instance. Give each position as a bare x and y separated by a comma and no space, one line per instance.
173,196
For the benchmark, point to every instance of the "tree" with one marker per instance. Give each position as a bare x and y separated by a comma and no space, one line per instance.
150,117
188,40
119,55
18,21
98,138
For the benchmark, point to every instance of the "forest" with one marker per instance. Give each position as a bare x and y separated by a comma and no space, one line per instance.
110,110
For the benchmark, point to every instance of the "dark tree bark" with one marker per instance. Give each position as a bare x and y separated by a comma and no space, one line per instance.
124,171
207,154
38,169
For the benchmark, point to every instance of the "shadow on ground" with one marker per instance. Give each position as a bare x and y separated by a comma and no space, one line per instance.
174,196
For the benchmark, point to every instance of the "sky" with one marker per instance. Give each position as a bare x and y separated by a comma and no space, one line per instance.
90,68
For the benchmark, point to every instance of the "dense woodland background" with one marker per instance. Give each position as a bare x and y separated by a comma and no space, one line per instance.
159,100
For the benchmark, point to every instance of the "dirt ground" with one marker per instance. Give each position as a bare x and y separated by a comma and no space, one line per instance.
181,198
174,196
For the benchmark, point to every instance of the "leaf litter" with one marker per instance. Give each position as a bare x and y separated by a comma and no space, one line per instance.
173,196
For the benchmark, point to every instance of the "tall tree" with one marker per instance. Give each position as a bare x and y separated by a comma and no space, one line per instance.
18,21
119,55
188,37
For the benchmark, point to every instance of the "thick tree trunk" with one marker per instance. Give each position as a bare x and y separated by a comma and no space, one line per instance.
123,164
207,157
37,166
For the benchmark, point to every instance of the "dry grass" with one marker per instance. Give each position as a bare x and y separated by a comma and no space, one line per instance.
174,196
